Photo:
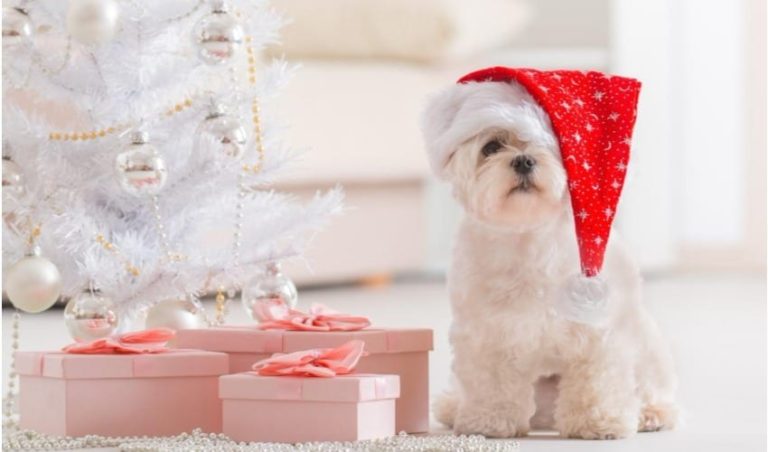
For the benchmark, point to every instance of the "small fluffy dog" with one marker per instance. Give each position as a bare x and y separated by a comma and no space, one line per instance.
495,144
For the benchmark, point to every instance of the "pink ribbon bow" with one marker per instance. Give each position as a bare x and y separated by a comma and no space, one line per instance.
276,315
320,362
147,341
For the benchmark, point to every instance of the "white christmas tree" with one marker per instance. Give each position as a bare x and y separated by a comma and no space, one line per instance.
138,150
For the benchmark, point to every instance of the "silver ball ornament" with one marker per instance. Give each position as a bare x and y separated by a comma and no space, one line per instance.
13,185
17,28
225,131
217,36
92,22
33,284
90,316
176,314
268,287
140,168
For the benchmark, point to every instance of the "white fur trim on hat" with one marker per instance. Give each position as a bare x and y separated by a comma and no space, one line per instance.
463,110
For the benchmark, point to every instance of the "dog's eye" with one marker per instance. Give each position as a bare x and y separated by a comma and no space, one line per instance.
491,147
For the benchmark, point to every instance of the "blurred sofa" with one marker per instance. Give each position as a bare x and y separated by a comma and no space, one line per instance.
367,67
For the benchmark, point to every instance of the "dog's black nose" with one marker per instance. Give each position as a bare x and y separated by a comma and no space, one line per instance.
523,164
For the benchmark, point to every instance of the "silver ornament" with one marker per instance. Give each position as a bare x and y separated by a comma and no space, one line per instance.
218,35
140,168
90,316
17,28
268,287
33,284
92,22
225,130
13,185
176,314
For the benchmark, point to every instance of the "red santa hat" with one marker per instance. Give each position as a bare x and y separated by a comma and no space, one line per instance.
592,116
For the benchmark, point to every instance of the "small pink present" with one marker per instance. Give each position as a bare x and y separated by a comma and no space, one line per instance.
120,393
309,395
398,351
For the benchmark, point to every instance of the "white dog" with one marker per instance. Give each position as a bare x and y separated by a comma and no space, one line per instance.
515,248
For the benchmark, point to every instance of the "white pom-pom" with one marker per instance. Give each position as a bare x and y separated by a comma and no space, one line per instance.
584,300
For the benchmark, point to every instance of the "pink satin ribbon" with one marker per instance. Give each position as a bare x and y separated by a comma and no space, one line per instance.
275,315
147,341
320,362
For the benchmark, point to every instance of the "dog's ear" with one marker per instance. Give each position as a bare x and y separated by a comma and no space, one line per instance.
463,110
439,115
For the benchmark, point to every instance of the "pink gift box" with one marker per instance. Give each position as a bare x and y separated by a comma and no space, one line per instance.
300,409
120,395
402,352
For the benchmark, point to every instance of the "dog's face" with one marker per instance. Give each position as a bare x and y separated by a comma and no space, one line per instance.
504,181
504,162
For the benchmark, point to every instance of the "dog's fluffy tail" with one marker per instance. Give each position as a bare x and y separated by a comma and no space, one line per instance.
445,406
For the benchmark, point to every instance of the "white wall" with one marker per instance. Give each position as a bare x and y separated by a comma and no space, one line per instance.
695,199
707,78
640,36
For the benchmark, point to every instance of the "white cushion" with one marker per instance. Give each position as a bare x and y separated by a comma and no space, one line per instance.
359,121
415,30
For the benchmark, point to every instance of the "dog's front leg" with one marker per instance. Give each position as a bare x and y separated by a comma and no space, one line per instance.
597,398
495,398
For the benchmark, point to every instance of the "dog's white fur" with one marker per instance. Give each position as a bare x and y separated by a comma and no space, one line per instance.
515,249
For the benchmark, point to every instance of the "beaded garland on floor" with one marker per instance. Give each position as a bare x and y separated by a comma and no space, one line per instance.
26,440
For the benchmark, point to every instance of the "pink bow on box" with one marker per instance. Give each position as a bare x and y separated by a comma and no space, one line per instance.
276,315
147,341
320,362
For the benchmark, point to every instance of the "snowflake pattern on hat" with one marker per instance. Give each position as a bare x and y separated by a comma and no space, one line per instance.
592,115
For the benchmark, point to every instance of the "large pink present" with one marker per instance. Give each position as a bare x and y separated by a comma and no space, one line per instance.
397,351
301,409
120,394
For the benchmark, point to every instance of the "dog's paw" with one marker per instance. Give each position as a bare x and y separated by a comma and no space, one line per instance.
655,417
445,407
596,426
489,422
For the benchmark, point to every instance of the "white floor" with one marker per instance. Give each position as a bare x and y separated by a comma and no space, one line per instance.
716,326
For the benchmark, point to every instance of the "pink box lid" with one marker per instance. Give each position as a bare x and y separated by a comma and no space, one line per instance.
173,363
343,388
248,339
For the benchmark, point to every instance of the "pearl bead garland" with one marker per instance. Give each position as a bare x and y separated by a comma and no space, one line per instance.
239,215
221,306
222,298
84,136
255,110
199,441
87,135
9,421
188,14
109,246
165,245
179,107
